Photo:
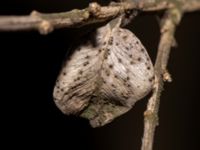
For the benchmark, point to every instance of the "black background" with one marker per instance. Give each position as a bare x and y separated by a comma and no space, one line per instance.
30,63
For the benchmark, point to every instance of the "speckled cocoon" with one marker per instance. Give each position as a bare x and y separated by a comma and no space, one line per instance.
104,76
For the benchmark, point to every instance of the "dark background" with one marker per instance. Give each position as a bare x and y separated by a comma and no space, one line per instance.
30,63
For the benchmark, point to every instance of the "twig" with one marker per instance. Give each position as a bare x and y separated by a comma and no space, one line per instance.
170,21
193,5
45,23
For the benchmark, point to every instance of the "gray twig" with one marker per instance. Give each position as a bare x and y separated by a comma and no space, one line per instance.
169,22
45,23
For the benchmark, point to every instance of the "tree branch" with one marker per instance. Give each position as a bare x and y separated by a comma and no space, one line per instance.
169,22
45,23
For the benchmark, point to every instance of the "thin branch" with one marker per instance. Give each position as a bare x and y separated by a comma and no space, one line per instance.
46,23
193,5
169,23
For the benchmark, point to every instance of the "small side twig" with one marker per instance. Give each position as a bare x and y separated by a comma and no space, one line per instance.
169,22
